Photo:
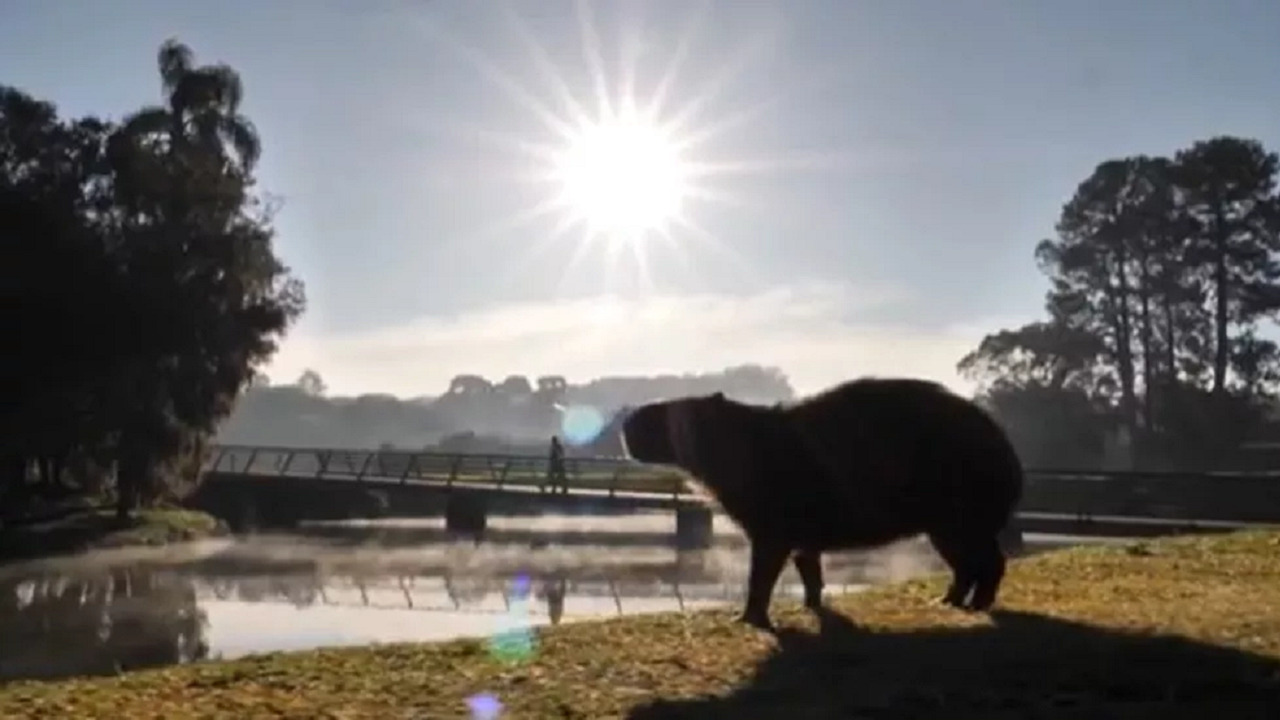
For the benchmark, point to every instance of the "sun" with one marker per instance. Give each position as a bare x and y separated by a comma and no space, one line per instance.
624,160
621,176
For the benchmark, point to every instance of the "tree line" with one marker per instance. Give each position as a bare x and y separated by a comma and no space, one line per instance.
1163,278
515,414
142,288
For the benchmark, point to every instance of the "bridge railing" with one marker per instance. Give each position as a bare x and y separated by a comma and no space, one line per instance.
1239,497
609,475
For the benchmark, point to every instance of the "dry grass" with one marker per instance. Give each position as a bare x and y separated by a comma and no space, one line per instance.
1181,628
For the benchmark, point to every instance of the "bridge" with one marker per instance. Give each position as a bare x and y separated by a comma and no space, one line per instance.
275,485
623,483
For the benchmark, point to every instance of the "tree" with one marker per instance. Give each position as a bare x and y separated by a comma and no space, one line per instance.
149,292
515,386
1228,187
311,384
1095,264
1049,355
193,232
202,109
1043,382
57,271
1160,272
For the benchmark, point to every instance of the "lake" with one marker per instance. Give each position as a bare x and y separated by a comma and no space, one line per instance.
119,610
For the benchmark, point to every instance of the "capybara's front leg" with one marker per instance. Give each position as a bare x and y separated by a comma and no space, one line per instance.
767,559
809,565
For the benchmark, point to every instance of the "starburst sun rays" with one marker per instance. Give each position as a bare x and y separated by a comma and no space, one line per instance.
623,167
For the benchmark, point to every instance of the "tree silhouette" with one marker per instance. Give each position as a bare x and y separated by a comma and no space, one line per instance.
202,108
311,383
1160,273
146,247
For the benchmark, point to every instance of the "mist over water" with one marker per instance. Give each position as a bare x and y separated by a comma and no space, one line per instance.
362,551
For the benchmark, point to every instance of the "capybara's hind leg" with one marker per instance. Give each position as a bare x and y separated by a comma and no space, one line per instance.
988,563
809,565
767,560
953,552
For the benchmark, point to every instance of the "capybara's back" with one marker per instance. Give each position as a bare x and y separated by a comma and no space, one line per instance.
892,458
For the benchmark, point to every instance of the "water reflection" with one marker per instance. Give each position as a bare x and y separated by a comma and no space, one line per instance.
475,593
94,624
121,618
553,591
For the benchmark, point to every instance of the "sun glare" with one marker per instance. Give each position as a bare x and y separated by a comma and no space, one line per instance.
621,177
625,160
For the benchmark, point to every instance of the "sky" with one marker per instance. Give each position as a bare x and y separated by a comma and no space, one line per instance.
873,175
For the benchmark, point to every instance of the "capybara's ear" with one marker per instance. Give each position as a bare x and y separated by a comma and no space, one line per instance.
718,396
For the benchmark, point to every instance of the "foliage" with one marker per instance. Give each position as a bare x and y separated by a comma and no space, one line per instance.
1181,628
1162,272
148,290
95,529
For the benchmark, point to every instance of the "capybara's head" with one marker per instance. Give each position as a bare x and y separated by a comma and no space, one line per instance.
672,432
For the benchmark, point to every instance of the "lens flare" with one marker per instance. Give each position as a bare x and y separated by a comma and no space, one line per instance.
515,642
484,707
520,587
581,424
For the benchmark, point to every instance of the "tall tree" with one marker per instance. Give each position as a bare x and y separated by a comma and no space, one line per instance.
1168,266
56,271
1228,192
1091,265
202,108
200,243
148,291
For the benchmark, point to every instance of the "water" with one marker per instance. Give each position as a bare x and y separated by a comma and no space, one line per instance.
120,610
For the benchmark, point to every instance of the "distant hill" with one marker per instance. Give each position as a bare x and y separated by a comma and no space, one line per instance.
473,409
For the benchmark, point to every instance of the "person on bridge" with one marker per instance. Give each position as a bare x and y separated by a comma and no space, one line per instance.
556,476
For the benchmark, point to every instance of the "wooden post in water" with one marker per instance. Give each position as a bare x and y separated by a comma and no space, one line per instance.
465,514
693,527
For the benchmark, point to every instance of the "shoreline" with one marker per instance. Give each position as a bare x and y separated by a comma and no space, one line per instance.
92,529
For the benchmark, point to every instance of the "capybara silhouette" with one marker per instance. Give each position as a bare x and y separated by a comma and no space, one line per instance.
857,466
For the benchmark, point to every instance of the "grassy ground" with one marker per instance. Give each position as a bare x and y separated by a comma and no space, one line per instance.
96,528
1185,628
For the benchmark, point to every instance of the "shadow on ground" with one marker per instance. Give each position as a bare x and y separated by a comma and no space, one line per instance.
1022,666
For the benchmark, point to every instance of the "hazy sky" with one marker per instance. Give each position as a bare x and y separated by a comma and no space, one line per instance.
882,170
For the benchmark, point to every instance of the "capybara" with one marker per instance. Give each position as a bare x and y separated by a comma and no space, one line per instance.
859,465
